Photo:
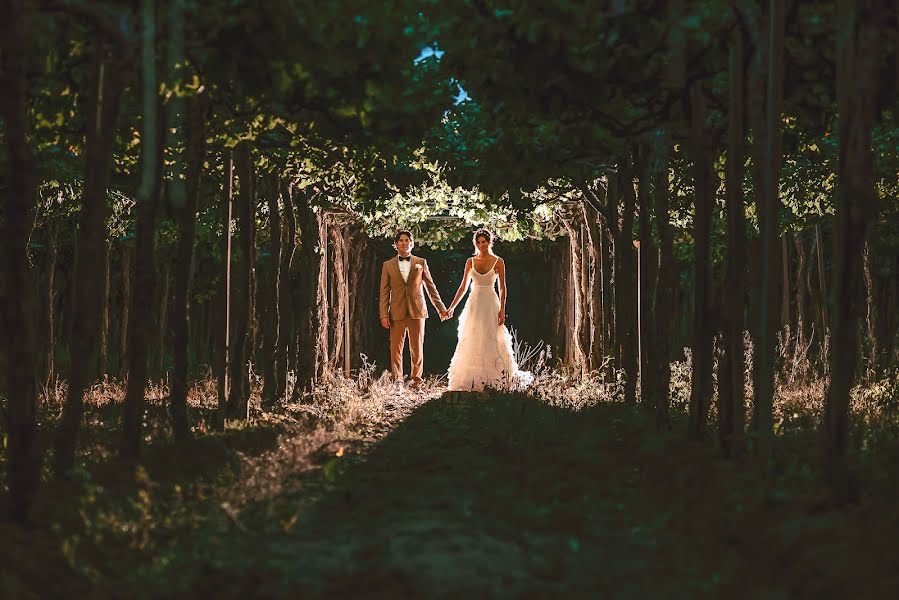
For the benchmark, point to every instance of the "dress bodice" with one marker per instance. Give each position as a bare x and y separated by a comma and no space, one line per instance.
484,280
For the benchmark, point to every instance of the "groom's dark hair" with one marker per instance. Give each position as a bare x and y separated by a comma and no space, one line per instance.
405,232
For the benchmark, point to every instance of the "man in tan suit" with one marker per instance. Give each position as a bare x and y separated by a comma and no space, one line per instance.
403,305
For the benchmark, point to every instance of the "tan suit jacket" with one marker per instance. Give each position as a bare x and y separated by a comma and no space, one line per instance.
404,299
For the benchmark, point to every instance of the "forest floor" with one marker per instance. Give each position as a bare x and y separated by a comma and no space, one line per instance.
432,494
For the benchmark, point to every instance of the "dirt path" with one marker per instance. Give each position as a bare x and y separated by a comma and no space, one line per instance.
508,497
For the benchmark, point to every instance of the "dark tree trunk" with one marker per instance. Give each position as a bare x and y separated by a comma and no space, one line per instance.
558,263
769,220
104,314
703,333
731,384
626,283
784,255
285,304
306,293
801,356
50,330
857,81
187,228
127,284
878,306
241,317
104,100
648,264
364,283
162,321
665,287
597,324
323,300
23,458
613,228
605,255
822,282
224,360
140,330
271,319
764,96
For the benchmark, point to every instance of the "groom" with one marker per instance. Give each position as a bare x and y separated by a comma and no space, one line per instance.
403,305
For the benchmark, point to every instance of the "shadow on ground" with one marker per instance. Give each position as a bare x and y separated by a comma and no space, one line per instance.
504,496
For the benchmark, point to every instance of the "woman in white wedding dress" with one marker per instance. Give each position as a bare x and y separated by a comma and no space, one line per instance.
484,356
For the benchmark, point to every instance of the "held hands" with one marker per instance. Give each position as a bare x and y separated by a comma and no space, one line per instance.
447,314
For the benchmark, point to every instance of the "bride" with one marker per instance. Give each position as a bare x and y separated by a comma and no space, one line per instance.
484,356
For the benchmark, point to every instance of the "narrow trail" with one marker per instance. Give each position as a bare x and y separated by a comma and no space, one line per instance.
508,497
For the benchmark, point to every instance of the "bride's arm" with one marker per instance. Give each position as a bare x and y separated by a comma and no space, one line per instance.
462,287
501,272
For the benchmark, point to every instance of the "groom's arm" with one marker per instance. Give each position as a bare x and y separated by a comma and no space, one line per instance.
433,294
384,299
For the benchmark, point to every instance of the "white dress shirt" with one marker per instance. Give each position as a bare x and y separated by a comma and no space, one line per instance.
405,267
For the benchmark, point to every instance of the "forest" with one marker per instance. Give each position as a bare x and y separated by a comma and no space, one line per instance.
697,204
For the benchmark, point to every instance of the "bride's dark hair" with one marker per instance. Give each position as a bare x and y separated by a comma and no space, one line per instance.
481,233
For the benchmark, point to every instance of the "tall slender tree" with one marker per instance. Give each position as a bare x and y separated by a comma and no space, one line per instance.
148,197
858,60
23,466
703,174
102,108
731,401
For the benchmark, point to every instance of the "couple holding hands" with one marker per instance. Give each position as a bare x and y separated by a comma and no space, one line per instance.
483,356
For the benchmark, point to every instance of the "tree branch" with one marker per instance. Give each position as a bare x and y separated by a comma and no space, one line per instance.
113,25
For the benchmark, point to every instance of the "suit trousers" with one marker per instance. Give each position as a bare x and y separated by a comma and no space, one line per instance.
416,331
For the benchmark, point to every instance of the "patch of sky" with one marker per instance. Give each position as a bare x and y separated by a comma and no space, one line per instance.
427,52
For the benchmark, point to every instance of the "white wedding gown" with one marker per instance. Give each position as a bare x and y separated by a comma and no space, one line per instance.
484,356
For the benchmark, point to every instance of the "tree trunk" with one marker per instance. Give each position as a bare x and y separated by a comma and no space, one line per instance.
127,284
139,334
104,314
664,300
224,377
558,264
271,315
104,100
648,264
50,331
874,317
23,457
306,293
785,320
576,356
626,283
323,300
162,320
239,396
285,305
857,80
703,333
822,282
337,297
766,102
801,356
187,228
597,324
731,384
605,254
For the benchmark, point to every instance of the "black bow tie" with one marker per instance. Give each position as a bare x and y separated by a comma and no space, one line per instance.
409,258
